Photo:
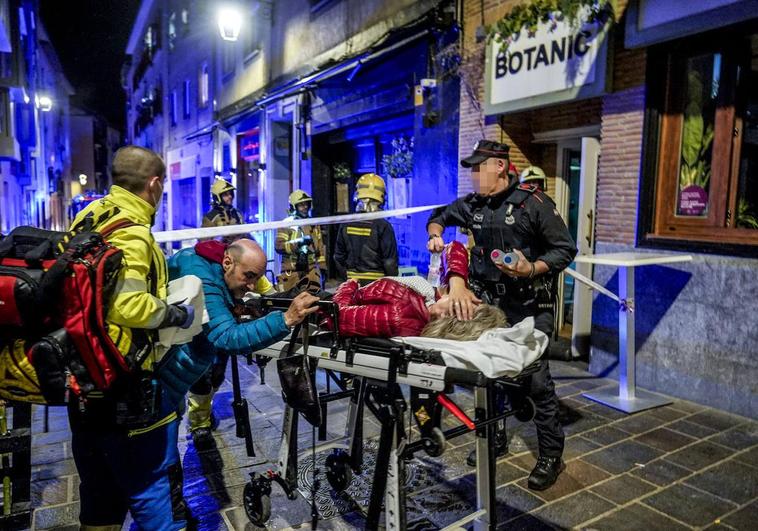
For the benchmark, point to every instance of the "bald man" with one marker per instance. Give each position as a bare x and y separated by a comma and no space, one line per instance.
227,273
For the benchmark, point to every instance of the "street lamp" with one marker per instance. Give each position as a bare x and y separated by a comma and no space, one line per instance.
229,23
44,103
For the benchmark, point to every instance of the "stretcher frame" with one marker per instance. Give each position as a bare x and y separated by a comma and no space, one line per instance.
379,367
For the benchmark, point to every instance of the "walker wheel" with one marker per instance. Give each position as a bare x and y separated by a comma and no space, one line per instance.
338,471
434,445
256,498
526,411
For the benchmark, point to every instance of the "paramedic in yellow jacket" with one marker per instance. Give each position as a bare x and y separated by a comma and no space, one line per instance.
124,443
302,248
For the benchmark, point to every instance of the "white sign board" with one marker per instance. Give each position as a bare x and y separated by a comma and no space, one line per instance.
558,63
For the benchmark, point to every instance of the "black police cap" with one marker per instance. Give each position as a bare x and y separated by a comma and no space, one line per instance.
483,150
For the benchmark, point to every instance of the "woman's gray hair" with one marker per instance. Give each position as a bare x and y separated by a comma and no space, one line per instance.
486,317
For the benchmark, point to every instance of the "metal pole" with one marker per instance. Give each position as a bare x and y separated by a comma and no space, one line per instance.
626,334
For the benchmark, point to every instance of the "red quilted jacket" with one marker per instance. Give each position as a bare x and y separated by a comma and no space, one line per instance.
386,308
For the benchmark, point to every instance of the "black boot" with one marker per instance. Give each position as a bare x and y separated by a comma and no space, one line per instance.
545,472
501,448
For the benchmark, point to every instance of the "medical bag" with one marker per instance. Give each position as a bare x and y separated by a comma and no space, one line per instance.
54,294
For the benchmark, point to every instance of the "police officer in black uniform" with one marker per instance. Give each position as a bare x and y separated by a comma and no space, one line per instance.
520,218
367,250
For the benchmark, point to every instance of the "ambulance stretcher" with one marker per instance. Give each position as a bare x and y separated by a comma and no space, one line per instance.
370,371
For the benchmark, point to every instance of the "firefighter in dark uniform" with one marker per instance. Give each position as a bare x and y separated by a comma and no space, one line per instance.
514,217
367,250
222,210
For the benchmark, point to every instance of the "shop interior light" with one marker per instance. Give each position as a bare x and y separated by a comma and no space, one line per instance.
229,23
44,103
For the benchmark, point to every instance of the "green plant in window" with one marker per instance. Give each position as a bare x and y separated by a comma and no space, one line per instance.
746,217
342,172
697,138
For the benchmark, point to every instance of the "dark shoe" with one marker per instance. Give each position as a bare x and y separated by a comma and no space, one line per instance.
545,472
501,448
203,439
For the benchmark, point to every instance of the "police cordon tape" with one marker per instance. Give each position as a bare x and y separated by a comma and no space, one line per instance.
230,230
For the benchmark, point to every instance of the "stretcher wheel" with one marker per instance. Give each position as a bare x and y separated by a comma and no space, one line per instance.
526,411
434,445
338,471
256,497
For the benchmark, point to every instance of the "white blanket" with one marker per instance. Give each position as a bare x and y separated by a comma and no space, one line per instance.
497,353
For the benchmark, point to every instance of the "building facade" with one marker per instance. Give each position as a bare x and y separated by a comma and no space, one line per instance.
35,178
644,119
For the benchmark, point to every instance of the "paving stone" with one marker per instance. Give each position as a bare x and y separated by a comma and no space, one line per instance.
50,492
572,511
623,456
447,502
666,413
699,456
661,472
750,457
578,446
577,476
665,439
623,489
586,384
689,505
605,435
691,428
605,411
513,501
638,423
573,403
731,480
62,467
745,518
585,422
739,438
528,522
717,420
56,516
49,453
634,518
507,473
687,406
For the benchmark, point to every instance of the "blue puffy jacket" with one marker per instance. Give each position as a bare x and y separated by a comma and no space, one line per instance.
187,363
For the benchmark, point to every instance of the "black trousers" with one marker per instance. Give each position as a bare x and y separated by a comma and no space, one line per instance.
541,390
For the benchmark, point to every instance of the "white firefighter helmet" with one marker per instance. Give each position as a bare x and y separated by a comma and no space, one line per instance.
533,175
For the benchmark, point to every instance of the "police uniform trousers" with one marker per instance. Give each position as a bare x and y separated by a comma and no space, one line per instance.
134,470
550,435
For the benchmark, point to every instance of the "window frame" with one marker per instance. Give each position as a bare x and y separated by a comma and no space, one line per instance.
186,99
658,225
203,86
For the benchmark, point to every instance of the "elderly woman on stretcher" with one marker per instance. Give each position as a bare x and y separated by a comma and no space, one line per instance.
451,319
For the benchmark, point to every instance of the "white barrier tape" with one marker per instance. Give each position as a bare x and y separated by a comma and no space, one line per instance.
228,230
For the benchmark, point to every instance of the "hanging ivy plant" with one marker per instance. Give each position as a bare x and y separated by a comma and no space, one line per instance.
400,162
529,16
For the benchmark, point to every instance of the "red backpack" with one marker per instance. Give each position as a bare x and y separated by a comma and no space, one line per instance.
55,288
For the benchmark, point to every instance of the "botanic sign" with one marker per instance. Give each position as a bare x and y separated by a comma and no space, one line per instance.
556,61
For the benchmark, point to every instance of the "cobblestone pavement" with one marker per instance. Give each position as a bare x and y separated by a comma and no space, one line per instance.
681,466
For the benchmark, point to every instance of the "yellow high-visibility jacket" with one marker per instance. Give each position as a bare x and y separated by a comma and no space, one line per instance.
139,303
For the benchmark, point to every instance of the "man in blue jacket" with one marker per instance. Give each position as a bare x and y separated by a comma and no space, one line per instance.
227,273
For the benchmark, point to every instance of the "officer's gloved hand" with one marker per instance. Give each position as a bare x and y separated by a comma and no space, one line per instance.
307,240
178,371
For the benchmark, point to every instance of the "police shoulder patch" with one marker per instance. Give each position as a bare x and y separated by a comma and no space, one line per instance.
528,187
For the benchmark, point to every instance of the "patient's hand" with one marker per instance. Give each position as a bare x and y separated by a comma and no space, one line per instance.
463,302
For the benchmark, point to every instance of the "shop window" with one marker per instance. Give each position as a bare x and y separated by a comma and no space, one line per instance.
252,41
706,176
203,86
227,59
171,31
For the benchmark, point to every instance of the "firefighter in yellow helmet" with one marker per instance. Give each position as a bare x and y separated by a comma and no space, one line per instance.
222,210
367,250
302,248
